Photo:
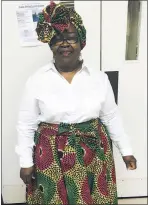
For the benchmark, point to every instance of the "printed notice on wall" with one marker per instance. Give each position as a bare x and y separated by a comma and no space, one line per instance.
27,17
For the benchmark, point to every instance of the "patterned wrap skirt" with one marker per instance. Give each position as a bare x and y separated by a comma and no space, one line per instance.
73,165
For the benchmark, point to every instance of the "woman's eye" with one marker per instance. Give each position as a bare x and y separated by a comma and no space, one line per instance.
59,40
71,37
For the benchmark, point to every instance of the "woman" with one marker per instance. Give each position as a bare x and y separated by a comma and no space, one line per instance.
74,117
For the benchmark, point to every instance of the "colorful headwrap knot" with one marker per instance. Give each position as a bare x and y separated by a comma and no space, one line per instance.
56,18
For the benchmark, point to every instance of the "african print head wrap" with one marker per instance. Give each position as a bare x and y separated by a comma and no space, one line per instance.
56,18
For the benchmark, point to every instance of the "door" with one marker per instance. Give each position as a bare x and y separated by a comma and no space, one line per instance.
118,55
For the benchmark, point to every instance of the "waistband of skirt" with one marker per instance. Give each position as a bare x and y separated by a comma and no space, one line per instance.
86,127
46,124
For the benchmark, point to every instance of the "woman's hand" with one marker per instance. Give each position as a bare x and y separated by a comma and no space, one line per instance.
130,161
26,174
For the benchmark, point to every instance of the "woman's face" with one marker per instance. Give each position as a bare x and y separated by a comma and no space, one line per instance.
66,47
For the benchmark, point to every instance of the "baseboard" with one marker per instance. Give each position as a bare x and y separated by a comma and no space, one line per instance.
133,197
16,204
118,198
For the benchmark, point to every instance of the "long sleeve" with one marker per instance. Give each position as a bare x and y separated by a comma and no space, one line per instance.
26,126
110,116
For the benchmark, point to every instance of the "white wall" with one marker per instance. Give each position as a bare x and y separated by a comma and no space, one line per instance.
114,22
132,92
18,64
90,12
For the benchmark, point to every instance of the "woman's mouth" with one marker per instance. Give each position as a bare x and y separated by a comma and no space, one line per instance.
66,53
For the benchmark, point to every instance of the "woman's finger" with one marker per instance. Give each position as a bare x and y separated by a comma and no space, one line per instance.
131,165
24,179
28,179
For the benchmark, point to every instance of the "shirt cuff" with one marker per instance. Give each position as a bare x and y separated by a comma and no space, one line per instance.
25,164
126,152
124,148
25,156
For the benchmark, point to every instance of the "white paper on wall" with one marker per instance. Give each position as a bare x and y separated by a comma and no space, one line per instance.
27,17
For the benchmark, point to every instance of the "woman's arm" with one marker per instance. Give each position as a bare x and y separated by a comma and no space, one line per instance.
26,126
110,116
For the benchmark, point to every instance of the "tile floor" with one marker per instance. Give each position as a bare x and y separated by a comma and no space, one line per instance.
133,201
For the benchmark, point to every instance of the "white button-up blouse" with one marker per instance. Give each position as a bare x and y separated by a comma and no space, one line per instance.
49,97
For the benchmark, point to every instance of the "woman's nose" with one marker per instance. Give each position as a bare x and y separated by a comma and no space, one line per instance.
65,44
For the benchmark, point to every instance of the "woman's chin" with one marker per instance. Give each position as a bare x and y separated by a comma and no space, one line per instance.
66,60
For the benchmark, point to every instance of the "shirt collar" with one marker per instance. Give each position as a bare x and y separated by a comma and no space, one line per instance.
51,66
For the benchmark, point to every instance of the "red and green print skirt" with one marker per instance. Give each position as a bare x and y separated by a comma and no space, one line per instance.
73,165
